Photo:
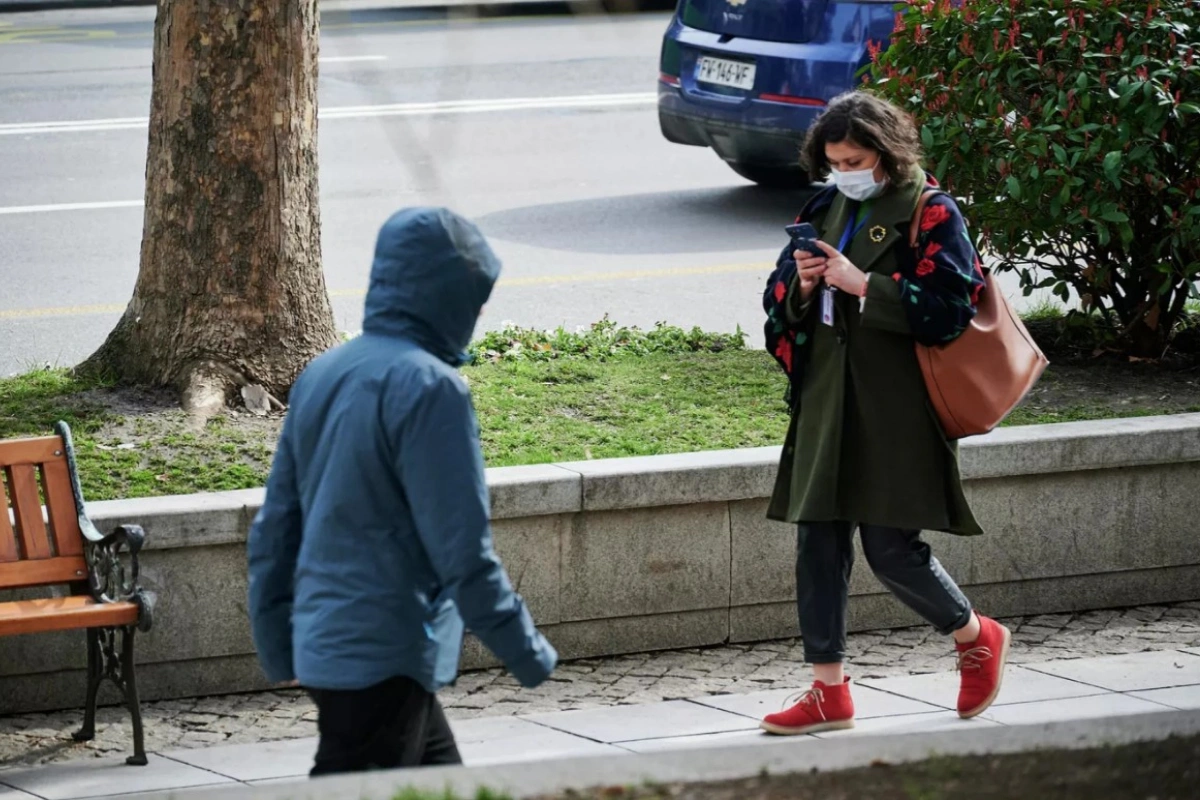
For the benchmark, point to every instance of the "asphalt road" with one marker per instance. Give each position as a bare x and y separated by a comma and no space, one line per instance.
542,129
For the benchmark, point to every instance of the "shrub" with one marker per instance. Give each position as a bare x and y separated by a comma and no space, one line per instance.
1074,127
600,341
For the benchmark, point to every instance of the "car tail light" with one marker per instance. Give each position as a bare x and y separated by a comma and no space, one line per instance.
795,101
670,80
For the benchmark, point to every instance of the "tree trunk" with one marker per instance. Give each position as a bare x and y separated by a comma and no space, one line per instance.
230,290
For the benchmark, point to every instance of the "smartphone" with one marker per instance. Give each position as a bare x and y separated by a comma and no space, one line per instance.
804,238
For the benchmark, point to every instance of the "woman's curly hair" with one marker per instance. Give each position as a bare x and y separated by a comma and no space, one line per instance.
866,121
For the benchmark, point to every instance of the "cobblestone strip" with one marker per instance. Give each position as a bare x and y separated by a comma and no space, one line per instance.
643,678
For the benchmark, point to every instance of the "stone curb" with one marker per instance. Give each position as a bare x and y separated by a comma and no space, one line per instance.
727,763
691,478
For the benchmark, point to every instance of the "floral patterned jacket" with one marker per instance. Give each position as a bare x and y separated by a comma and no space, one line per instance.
940,284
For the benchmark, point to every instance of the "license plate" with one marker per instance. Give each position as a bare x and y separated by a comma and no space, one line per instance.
722,72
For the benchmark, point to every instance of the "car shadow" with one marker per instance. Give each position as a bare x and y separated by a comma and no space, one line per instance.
695,221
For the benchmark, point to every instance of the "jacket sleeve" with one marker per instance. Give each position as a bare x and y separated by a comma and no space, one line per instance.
441,470
273,548
934,294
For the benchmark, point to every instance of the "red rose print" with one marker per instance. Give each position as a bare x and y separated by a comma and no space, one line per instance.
780,291
896,276
979,266
784,351
933,249
934,215
925,267
978,290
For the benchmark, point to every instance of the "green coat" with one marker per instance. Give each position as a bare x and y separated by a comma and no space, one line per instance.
864,444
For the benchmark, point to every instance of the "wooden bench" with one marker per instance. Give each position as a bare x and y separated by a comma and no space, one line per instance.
100,572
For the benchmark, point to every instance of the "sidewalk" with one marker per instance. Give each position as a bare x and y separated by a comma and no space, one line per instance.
1160,682
1125,661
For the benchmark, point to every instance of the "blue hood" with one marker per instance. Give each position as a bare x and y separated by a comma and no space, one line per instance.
432,275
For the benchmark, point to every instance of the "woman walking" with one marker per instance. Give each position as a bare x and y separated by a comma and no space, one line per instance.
865,450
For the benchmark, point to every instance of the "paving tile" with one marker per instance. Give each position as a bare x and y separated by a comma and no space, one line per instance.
9,793
1129,673
1182,697
651,721
253,762
1020,685
910,723
1102,705
868,703
172,793
98,777
728,738
498,740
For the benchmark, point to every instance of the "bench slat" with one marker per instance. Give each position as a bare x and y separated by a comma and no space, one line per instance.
60,507
30,451
27,508
63,614
46,572
8,538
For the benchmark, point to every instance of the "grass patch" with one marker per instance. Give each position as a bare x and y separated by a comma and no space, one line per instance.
603,392
449,794
536,412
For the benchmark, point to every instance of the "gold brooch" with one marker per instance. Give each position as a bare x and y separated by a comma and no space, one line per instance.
877,234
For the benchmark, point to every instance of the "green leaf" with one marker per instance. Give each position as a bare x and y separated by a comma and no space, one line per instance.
1114,216
1112,166
1014,187
927,137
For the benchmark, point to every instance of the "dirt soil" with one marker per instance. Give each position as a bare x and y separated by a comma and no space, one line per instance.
1080,378
1168,770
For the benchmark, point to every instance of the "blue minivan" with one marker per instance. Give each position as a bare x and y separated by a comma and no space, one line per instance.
748,77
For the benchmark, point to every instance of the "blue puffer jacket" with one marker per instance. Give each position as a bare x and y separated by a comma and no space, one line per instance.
373,545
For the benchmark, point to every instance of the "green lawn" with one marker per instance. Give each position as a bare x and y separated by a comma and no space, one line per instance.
664,393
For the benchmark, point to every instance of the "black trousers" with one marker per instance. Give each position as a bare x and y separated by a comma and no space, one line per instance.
902,562
392,724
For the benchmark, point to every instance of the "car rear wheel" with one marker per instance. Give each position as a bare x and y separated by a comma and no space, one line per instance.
771,177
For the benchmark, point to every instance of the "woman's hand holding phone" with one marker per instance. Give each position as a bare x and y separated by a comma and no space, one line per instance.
810,261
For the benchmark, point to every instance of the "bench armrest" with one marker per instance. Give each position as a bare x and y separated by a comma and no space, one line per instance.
112,559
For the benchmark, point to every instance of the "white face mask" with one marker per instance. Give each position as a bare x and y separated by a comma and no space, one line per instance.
860,184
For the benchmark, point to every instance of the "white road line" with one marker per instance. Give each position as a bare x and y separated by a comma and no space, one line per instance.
359,112
70,207
349,59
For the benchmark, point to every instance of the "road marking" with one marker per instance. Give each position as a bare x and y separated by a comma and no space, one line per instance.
360,112
52,35
70,207
349,59
532,280
14,35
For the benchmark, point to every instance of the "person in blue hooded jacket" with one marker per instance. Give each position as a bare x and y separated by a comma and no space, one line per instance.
373,545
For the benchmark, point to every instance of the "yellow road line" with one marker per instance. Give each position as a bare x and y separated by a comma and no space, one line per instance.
532,280
55,35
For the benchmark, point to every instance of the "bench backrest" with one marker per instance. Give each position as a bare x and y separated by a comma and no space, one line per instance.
32,553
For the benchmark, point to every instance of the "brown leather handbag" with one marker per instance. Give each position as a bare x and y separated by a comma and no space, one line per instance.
975,381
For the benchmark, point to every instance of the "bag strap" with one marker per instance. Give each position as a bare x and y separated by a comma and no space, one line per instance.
914,228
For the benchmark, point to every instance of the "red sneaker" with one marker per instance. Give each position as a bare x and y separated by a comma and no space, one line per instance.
821,708
981,664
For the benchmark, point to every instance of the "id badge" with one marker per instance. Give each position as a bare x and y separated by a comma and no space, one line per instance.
827,305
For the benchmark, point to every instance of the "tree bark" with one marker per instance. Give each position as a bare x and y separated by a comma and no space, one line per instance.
230,290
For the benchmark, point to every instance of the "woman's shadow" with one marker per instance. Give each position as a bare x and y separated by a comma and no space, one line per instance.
691,221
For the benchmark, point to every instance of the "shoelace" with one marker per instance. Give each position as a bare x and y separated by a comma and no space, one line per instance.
810,696
973,658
